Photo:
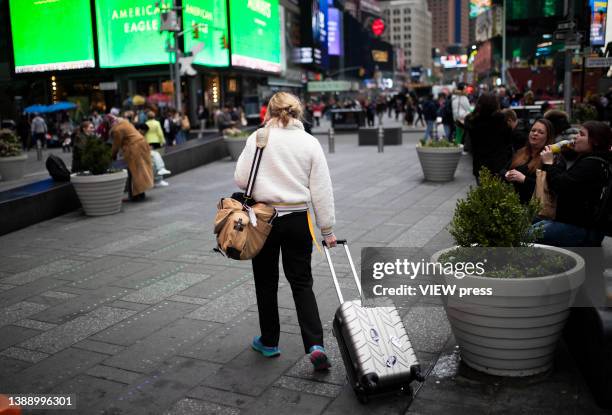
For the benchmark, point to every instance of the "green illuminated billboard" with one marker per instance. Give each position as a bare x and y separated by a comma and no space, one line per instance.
255,29
49,36
210,18
128,33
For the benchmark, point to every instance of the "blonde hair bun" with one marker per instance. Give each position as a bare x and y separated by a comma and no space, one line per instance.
284,106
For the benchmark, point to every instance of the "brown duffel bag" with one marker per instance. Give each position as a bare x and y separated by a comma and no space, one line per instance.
242,226
238,235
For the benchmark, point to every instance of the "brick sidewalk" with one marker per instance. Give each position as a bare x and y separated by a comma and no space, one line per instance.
134,314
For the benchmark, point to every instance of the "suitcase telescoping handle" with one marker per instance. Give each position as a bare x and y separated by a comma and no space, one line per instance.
333,271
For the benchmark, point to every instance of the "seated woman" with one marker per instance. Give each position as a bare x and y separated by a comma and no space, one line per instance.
578,189
522,169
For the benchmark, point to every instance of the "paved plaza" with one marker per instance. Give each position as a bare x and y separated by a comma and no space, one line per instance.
135,314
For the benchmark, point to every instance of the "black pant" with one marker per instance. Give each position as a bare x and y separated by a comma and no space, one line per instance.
290,234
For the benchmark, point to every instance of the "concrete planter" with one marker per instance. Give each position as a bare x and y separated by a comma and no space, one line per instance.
235,146
515,331
100,194
439,163
12,168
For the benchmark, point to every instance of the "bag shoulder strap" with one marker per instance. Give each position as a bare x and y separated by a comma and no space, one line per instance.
262,141
262,137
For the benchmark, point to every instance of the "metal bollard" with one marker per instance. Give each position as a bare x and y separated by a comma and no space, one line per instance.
38,150
381,139
331,141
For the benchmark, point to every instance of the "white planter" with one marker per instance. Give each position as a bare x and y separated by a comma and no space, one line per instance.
439,163
12,168
100,194
235,146
515,331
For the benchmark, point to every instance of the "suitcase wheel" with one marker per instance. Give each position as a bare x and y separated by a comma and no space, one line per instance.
369,381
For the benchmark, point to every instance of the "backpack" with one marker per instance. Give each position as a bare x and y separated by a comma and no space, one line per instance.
57,169
603,210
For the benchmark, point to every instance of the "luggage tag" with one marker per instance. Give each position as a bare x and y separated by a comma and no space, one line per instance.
252,216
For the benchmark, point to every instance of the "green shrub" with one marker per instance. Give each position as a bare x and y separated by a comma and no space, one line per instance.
492,216
10,145
96,157
437,143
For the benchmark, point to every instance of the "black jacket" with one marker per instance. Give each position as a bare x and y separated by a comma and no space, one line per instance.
491,142
577,188
525,190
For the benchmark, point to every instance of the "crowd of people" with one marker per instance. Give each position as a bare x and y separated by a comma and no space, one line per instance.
61,129
136,135
576,173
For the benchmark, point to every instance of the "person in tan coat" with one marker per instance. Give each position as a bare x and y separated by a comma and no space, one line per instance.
136,153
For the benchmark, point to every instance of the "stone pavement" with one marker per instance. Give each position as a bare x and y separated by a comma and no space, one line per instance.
135,314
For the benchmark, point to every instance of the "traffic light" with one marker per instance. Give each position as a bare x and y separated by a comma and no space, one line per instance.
196,31
361,72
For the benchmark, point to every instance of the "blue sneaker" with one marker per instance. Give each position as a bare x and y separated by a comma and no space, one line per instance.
267,351
318,358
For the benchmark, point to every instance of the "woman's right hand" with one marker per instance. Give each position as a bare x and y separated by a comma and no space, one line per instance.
330,240
547,155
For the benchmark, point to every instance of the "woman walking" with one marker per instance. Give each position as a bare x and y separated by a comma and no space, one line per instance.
293,172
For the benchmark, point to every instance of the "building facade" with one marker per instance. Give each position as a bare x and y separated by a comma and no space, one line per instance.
409,25
450,23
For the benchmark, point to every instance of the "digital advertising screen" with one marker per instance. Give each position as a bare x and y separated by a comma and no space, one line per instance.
334,32
479,6
454,61
128,33
255,34
210,16
51,36
599,11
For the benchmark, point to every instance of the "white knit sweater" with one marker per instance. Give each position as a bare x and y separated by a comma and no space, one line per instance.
293,170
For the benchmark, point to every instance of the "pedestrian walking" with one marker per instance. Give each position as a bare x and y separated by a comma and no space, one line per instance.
419,110
370,113
172,125
409,111
317,112
293,172
461,108
490,136
39,130
430,113
155,133
185,126
203,115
